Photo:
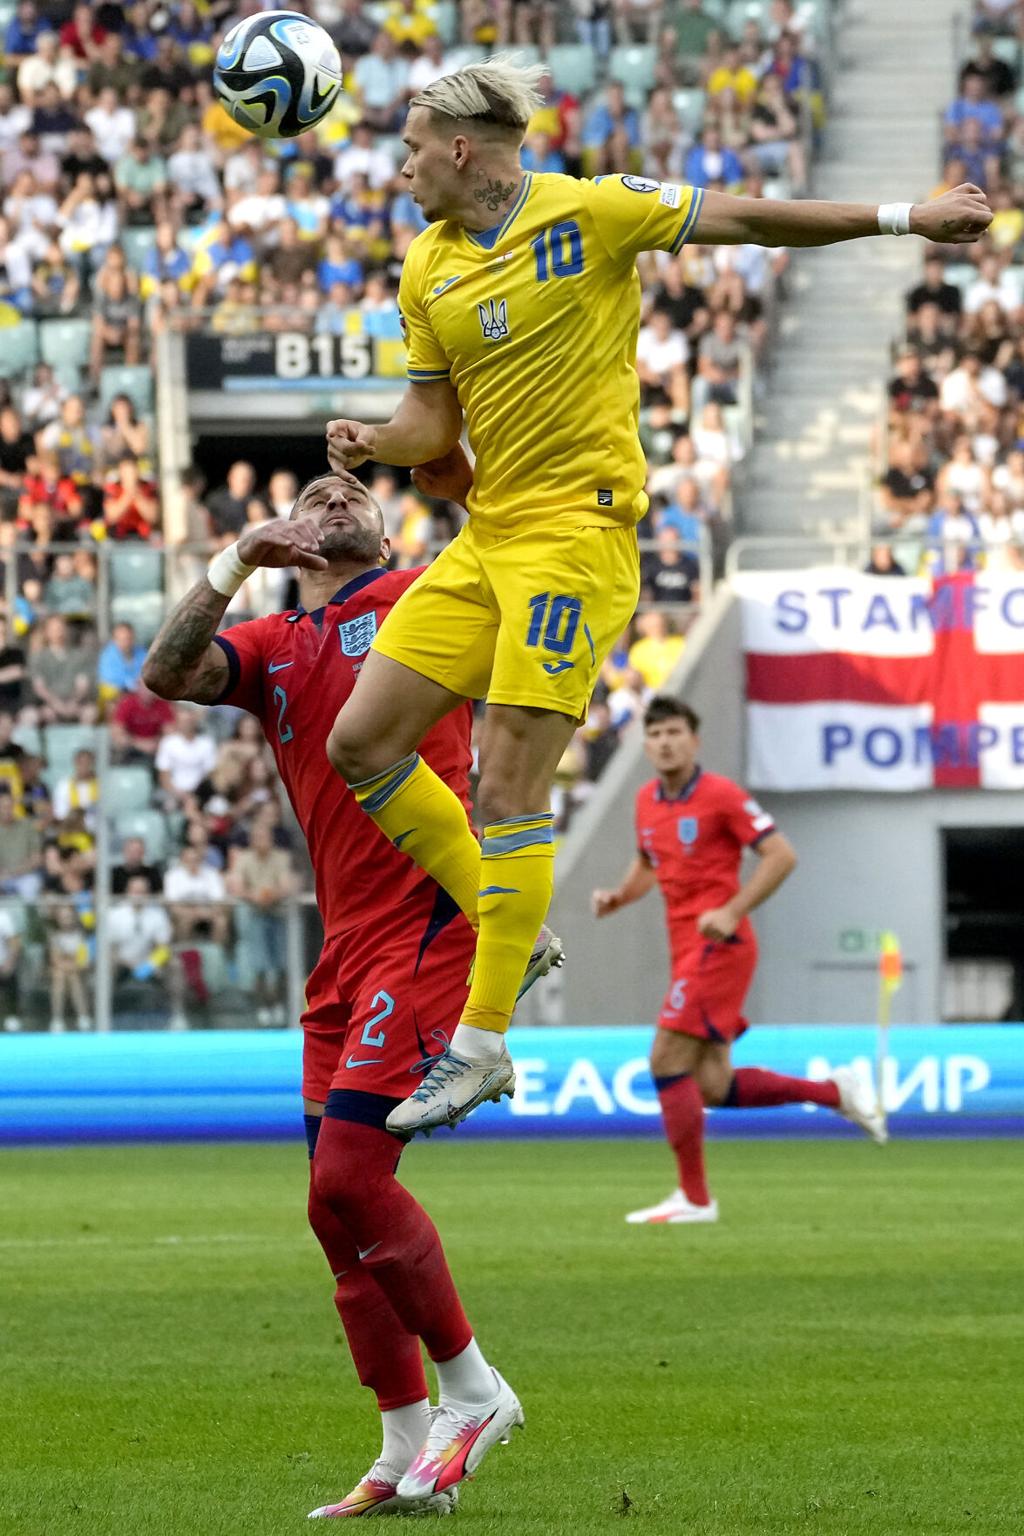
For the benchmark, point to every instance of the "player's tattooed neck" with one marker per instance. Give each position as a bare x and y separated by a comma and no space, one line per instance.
493,192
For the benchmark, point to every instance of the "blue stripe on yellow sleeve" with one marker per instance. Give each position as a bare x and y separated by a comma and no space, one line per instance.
689,222
424,375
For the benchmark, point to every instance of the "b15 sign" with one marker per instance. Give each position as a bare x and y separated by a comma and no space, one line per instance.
884,683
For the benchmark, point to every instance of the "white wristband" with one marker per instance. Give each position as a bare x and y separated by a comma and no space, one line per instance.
894,218
226,572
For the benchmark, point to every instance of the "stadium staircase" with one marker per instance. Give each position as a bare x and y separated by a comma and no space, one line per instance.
808,470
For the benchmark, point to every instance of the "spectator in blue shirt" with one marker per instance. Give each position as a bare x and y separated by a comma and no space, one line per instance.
537,154
119,665
708,161
973,104
609,117
338,265
23,31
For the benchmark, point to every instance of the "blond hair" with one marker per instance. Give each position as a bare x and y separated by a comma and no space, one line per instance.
500,92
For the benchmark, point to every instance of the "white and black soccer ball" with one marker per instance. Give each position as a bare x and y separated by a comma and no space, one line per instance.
277,73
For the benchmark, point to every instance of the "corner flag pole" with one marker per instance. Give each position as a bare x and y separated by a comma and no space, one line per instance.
890,977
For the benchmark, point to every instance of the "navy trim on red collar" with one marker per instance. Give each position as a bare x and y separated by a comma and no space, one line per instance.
684,794
343,593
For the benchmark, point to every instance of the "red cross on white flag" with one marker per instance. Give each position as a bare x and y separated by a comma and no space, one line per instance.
888,683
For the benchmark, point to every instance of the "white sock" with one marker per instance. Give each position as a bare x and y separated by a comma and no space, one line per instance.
466,1378
405,1430
482,1047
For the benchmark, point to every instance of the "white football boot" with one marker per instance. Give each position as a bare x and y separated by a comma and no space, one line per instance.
857,1103
377,1494
450,1091
674,1211
547,954
460,1436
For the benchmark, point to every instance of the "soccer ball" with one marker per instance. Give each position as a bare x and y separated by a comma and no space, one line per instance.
277,73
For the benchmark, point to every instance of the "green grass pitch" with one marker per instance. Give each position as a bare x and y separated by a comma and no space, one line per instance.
843,1353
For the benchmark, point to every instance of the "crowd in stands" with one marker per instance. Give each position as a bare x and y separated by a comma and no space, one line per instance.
131,203
952,493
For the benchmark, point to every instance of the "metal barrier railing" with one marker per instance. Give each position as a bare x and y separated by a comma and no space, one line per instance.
927,553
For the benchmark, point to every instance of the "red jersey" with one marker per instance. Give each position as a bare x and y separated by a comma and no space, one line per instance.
294,671
695,842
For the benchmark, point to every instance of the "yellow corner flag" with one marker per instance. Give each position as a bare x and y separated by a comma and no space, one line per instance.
890,965
890,979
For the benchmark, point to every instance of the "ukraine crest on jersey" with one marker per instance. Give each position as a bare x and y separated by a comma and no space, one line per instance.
535,323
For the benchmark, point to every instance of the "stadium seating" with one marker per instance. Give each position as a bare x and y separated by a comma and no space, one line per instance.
150,825
19,349
633,65
62,742
65,343
135,382
136,572
128,788
574,67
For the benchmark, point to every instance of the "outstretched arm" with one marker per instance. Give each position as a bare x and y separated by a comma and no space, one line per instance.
958,217
635,883
183,662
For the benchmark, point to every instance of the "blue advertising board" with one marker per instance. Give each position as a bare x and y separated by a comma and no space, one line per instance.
959,1080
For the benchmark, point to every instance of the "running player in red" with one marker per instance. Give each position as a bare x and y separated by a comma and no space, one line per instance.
390,979
692,828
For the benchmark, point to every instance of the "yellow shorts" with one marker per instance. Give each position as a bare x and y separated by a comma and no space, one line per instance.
527,619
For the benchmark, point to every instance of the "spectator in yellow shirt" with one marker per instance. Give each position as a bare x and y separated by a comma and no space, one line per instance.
656,652
409,22
733,75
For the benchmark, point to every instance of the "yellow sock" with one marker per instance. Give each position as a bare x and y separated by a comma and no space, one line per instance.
423,817
516,879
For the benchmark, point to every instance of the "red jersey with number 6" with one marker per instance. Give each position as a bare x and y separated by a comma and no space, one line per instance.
694,842
294,671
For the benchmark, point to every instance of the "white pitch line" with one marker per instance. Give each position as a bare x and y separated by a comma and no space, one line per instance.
101,1240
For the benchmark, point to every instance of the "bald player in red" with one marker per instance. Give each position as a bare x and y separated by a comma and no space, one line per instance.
692,829
391,976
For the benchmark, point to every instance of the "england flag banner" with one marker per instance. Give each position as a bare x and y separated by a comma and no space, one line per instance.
883,683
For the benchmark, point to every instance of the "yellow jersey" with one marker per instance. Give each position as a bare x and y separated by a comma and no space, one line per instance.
535,322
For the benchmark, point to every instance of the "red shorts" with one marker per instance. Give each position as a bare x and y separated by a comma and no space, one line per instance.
384,998
709,985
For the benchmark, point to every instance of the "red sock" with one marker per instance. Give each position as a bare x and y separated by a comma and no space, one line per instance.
388,1359
354,1176
682,1109
754,1088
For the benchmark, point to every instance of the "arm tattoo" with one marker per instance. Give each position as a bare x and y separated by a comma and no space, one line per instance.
177,665
493,193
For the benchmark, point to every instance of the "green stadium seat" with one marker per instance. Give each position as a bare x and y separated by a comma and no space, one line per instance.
19,349
962,273
690,106
1007,49
634,66
214,963
572,67
136,570
149,825
65,343
742,11
466,53
60,745
129,788
137,244
123,379
144,611
69,375
718,10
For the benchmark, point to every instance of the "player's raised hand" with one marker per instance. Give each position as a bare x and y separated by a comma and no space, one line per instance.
958,217
349,444
449,478
717,924
279,543
603,903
